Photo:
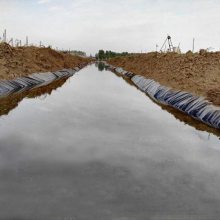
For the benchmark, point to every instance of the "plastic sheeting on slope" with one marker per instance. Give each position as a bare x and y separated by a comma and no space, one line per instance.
33,81
195,106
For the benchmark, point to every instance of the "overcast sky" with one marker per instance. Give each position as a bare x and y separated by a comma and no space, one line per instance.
118,25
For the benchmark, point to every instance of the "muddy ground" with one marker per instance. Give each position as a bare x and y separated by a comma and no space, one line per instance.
22,61
198,73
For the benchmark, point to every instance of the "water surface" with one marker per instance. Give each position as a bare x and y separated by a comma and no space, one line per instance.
99,149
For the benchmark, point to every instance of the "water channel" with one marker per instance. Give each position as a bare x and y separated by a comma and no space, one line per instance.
97,148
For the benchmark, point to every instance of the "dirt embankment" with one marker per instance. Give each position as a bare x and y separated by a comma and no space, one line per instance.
198,73
22,61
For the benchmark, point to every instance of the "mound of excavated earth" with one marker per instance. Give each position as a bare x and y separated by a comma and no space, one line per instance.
22,61
198,73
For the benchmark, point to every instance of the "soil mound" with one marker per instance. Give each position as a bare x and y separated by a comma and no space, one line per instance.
198,73
21,61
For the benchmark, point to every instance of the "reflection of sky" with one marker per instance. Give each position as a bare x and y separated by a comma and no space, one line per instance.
98,142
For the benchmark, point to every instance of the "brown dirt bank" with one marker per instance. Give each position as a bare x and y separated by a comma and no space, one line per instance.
22,61
198,73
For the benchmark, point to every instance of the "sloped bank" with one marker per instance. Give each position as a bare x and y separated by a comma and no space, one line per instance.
197,73
35,80
195,106
23,61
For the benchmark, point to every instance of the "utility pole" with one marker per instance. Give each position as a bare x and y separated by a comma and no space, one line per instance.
193,45
4,36
26,41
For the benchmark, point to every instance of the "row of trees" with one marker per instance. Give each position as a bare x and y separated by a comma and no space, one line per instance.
78,52
75,52
104,55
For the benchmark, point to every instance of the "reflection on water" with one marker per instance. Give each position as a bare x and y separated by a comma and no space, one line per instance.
10,102
183,117
97,148
100,65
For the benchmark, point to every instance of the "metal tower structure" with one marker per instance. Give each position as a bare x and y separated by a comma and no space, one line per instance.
170,45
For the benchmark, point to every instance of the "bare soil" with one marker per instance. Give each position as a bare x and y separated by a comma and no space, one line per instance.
22,61
198,73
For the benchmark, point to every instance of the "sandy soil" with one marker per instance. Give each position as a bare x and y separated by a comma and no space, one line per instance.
198,73
22,61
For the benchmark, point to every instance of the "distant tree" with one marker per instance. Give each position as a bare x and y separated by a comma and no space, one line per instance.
105,55
101,55
75,52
